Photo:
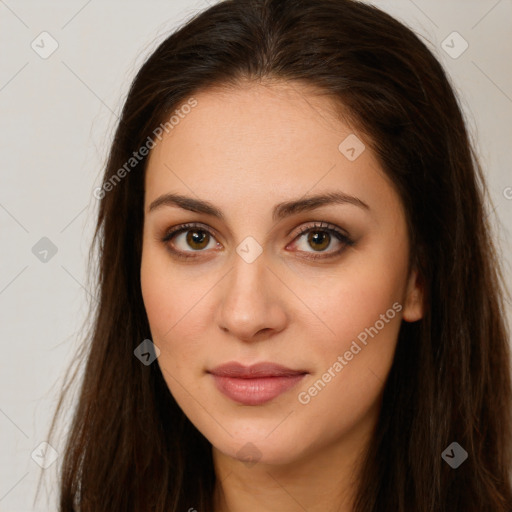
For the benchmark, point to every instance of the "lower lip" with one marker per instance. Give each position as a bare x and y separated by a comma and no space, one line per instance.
255,391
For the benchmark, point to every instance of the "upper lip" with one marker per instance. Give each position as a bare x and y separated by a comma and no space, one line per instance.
258,370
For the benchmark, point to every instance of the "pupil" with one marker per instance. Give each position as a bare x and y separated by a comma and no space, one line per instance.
196,237
313,237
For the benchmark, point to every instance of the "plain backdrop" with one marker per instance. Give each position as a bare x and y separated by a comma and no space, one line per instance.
58,114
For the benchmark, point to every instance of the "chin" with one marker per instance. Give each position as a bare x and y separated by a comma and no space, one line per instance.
258,449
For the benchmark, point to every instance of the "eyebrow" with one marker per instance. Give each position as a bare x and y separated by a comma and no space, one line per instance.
280,211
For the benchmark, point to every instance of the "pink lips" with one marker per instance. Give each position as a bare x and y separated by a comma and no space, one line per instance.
256,384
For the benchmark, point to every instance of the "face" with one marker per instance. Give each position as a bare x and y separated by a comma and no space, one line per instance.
289,247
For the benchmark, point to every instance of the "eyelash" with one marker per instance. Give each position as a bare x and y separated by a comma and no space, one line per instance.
320,227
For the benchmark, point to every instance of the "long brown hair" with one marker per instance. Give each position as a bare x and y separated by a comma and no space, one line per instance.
131,448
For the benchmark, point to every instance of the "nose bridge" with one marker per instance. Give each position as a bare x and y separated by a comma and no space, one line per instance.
250,300
246,284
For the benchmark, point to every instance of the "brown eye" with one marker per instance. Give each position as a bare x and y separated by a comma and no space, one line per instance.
319,240
196,239
185,240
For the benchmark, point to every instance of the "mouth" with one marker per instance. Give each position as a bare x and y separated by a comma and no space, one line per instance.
256,384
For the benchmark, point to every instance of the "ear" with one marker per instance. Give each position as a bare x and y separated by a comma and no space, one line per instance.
413,309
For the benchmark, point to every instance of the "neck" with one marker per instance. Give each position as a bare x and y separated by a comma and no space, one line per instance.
318,481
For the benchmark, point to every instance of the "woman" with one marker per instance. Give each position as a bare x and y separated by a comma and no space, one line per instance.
301,307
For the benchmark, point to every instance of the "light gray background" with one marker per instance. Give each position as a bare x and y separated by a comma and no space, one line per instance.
57,119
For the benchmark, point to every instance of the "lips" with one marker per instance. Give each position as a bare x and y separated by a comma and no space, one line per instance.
256,384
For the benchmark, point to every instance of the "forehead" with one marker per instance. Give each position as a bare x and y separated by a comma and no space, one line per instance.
253,121
259,143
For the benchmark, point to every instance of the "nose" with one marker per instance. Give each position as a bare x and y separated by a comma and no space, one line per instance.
252,306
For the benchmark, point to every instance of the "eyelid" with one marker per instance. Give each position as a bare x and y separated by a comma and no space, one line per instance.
186,226
342,236
321,226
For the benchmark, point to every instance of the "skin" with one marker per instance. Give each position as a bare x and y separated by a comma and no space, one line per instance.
245,150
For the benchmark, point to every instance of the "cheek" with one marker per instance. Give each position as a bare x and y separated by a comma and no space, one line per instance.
166,305
157,299
353,360
359,296
177,307
364,321
360,302
362,310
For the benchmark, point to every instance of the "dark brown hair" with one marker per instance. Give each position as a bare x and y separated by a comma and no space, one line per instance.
131,448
